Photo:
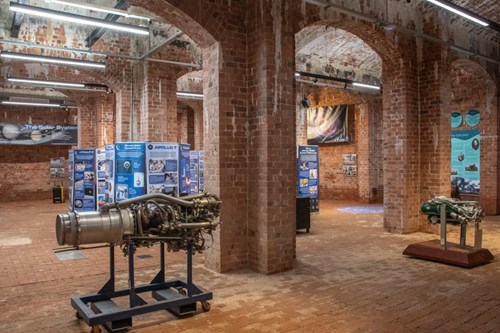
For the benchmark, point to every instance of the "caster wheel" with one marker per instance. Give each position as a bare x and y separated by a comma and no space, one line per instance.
95,329
205,306
78,315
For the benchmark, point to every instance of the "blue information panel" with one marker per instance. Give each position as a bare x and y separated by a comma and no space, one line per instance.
308,175
201,170
184,179
193,172
129,166
465,161
84,175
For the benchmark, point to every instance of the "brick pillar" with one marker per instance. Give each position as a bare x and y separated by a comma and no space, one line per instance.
105,119
401,158
123,131
300,117
376,155
435,128
271,183
182,125
87,123
225,138
363,145
198,127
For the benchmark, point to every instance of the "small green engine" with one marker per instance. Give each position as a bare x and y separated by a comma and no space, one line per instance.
457,212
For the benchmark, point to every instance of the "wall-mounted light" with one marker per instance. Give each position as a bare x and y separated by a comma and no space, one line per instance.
73,18
189,95
52,60
459,11
101,9
363,85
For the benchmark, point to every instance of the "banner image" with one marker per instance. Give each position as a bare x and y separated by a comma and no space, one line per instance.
456,120
185,177
193,172
32,134
465,161
472,118
327,124
84,179
129,170
57,167
201,170
109,172
102,196
71,158
308,175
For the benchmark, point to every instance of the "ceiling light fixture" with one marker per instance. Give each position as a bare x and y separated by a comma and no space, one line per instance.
46,82
52,60
73,18
101,9
337,79
188,94
48,105
459,11
363,85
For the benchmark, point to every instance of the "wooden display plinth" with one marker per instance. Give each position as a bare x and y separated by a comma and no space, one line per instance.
454,254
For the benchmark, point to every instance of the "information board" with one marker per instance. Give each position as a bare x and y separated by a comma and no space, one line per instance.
83,180
129,170
465,161
308,175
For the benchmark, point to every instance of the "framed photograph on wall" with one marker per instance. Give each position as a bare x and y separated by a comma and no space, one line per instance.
349,158
327,124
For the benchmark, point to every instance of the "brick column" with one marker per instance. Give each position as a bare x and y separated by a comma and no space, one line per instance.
271,183
401,153
363,130
105,119
87,123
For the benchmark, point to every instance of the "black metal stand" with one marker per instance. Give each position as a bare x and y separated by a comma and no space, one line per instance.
177,296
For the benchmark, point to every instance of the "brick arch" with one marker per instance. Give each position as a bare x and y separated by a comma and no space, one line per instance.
400,114
372,36
473,87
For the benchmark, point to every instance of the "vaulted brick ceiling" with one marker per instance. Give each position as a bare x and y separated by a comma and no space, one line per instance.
341,50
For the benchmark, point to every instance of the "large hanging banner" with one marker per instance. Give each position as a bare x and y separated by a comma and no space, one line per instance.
32,134
308,175
465,161
327,124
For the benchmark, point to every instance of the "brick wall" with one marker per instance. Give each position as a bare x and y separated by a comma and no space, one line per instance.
25,169
365,140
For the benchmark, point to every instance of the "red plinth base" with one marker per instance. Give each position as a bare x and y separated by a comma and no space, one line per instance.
463,256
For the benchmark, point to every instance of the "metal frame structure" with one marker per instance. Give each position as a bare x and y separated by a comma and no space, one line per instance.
177,296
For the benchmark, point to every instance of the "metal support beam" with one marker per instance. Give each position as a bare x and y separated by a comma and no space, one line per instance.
98,32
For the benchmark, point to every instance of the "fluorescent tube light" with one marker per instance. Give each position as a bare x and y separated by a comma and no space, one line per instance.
49,105
186,94
297,74
101,9
46,82
459,12
73,18
52,60
362,85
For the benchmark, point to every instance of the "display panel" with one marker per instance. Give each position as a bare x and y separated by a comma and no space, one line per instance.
465,161
129,170
193,172
33,134
327,124
308,175
83,180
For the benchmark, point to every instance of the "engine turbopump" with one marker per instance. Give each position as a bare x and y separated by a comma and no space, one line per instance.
144,220
457,212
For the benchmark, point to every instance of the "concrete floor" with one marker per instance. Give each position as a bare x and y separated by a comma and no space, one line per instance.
349,276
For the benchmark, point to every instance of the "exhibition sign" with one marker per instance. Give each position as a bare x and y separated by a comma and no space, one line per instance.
102,196
194,167
327,124
168,167
465,161
308,175
33,134
110,172
129,167
201,169
83,179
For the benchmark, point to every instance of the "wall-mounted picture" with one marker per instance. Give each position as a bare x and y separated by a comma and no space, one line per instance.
327,124
349,170
349,158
